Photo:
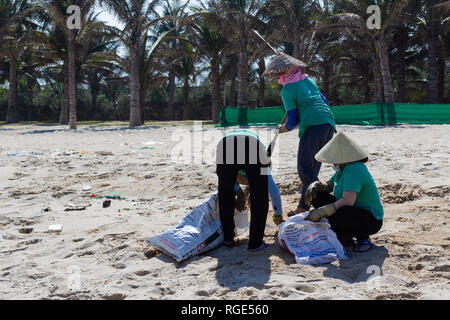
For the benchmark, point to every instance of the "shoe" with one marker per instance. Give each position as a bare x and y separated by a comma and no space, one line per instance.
258,250
363,246
230,244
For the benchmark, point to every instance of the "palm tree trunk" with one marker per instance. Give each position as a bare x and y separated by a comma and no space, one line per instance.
171,95
243,63
135,110
297,46
432,93
94,95
326,81
64,115
262,83
377,83
402,77
441,78
72,80
142,104
385,71
233,94
186,110
215,78
11,115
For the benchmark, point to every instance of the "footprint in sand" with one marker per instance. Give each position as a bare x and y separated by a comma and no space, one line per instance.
305,288
142,273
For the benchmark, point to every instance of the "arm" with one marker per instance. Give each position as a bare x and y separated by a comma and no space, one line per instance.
348,199
291,110
292,119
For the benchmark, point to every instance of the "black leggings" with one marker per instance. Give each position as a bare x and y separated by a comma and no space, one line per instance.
349,221
259,201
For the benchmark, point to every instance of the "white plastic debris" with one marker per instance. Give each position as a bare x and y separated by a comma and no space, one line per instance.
87,188
55,228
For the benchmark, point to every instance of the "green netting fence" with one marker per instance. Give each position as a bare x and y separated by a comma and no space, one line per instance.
366,114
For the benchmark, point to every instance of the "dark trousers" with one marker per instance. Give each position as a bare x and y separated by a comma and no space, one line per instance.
259,200
349,221
314,138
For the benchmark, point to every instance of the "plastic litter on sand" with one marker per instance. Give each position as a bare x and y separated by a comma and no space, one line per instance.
55,228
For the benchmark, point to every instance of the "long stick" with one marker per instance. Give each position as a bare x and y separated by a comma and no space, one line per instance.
265,41
277,132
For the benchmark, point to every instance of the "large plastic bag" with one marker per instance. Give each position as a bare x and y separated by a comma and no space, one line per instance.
311,243
197,232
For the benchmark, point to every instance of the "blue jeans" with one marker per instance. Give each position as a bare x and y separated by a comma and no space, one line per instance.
314,138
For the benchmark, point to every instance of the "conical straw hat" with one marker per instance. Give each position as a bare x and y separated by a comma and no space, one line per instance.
341,149
282,63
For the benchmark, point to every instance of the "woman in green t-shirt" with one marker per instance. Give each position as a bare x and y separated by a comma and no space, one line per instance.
355,210
306,107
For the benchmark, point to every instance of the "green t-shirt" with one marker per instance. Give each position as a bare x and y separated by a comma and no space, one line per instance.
242,132
304,95
355,177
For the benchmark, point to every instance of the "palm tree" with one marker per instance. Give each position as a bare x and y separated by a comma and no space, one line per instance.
137,16
185,69
15,26
211,42
92,63
150,67
177,27
244,14
430,18
58,11
293,21
353,19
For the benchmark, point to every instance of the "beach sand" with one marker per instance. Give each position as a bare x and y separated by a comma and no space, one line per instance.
100,252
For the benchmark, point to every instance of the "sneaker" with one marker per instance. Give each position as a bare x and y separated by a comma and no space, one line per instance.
230,244
258,250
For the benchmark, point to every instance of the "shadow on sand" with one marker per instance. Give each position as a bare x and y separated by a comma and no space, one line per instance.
360,267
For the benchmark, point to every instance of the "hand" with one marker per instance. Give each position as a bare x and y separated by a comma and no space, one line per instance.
277,219
241,201
241,180
282,128
322,212
313,189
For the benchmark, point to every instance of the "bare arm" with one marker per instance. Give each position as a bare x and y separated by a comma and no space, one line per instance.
348,199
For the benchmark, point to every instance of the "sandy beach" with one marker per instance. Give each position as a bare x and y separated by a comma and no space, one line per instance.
163,171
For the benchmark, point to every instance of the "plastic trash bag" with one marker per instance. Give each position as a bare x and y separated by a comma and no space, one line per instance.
311,243
197,232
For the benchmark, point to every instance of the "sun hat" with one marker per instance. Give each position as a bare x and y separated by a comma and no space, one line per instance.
281,64
341,149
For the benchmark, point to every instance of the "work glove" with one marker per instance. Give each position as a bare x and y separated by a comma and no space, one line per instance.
278,219
282,128
241,201
313,189
322,212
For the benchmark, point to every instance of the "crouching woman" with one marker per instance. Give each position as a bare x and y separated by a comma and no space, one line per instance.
355,210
